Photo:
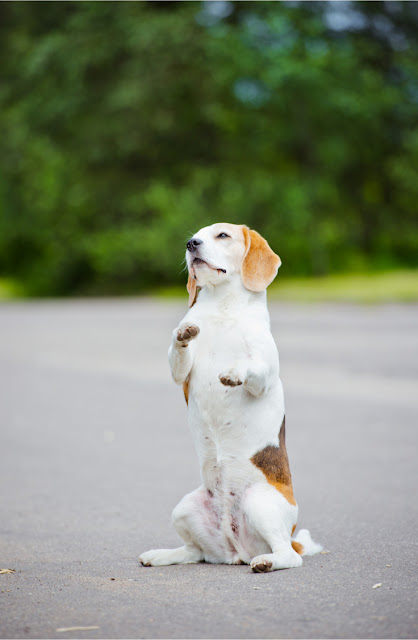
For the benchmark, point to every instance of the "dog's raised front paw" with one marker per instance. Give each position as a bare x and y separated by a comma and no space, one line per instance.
230,378
187,332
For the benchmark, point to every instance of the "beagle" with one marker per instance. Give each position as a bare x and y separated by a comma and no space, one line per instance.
225,357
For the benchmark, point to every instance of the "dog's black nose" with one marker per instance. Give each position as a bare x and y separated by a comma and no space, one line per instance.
193,244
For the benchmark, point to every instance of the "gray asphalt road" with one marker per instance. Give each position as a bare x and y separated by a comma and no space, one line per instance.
95,452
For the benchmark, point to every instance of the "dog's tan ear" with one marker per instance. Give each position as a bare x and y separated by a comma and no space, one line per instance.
192,289
260,263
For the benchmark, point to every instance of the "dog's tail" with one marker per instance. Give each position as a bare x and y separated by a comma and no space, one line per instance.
304,545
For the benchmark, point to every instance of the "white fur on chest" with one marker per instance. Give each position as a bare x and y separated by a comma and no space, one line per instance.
228,424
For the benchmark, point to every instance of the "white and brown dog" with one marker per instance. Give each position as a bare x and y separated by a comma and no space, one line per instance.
225,357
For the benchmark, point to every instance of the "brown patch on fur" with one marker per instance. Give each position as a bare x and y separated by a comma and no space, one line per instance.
274,463
260,264
192,289
297,547
186,391
285,490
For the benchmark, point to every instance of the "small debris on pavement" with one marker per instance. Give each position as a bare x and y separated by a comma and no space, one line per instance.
63,629
256,587
388,565
7,571
376,586
324,552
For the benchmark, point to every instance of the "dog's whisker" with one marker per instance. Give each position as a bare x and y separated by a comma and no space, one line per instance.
184,269
183,265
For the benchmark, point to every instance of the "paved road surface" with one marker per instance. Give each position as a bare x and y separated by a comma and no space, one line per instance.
95,452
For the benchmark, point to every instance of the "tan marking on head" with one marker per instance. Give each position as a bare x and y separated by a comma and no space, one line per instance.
192,289
298,547
186,391
293,529
274,463
260,263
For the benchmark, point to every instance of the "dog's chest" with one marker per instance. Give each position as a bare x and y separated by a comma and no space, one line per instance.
220,346
226,422
220,340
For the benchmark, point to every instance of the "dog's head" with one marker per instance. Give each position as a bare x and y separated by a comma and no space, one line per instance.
225,251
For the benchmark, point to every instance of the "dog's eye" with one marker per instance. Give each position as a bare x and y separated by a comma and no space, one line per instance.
223,235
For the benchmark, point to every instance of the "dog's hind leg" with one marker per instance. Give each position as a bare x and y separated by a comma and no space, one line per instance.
271,517
196,523
181,555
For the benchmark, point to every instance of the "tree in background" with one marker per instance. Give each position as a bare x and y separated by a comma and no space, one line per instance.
128,126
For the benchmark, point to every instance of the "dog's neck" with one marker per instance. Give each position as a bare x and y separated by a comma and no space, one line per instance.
230,295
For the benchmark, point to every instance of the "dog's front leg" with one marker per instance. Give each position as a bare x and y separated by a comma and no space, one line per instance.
253,374
180,356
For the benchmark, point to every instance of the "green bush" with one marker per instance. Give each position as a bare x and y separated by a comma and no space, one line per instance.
128,126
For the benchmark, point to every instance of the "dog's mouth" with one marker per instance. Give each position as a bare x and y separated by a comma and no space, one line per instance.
198,262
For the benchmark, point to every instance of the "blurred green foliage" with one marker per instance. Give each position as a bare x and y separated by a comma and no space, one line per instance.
127,126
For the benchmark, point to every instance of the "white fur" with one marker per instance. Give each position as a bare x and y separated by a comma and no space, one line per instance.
235,409
310,548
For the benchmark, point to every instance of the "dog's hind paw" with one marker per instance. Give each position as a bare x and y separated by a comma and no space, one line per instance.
156,557
272,561
161,557
261,564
